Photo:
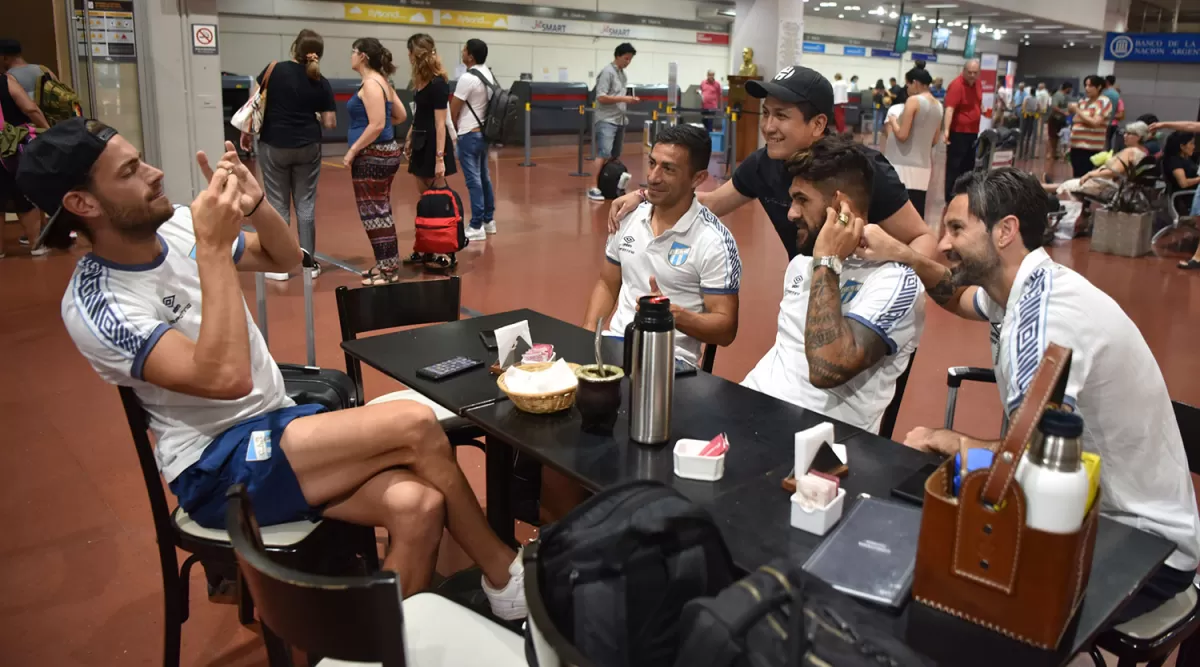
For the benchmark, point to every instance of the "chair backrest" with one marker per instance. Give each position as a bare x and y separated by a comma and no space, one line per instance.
888,423
1188,418
365,309
346,618
139,428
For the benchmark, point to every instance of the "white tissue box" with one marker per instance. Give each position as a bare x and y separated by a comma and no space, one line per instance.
690,465
817,521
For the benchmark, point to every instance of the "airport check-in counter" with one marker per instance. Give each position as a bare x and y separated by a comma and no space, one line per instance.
554,106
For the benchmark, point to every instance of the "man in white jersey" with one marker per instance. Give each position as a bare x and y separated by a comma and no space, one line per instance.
157,306
1000,274
672,245
847,327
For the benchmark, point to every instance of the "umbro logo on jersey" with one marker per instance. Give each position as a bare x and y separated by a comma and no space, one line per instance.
628,240
169,302
178,310
794,287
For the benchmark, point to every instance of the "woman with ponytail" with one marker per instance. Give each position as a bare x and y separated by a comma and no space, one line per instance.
374,155
289,146
428,146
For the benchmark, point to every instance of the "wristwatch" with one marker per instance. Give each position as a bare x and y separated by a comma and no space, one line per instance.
832,261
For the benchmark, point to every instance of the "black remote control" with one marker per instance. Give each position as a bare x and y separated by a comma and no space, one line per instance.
449,367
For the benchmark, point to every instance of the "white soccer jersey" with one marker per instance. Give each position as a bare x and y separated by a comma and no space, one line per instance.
1116,386
887,298
116,314
697,256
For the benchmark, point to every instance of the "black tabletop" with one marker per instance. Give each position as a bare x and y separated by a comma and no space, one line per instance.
399,355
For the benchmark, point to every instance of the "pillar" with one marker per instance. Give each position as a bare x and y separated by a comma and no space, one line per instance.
752,20
789,36
1116,19
181,92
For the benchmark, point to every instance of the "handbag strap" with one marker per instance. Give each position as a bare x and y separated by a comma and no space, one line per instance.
1049,385
267,76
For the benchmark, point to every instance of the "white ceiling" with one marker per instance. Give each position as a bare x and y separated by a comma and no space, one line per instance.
1016,28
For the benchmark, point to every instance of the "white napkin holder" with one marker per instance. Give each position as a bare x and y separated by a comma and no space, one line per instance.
506,342
690,465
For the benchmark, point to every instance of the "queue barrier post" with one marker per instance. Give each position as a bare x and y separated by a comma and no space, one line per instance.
592,150
731,161
528,137
582,128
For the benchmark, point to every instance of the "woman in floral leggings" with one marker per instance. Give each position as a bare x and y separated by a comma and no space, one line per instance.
374,155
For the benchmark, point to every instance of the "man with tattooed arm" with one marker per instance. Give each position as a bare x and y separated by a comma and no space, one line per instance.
847,326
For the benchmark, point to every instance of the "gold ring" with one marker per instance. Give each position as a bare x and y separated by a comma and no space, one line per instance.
843,219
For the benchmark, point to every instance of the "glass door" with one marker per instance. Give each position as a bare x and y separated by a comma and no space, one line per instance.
105,58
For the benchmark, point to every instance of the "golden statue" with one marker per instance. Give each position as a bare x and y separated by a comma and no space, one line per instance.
748,66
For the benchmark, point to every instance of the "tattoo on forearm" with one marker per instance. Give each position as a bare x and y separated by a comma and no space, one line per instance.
825,324
943,291
837,348
831,373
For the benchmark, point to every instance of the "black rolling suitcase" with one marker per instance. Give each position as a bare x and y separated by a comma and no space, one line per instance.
307,383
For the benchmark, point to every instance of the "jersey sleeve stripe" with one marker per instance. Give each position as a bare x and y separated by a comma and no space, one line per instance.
139,359
891,344
718,291
733,261
239,247
904,297
100,312
612,260
978,309
1028,340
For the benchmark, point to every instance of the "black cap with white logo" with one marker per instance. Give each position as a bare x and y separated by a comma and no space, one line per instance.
797,84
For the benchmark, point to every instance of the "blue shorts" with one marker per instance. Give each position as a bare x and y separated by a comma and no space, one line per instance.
248,453
610,137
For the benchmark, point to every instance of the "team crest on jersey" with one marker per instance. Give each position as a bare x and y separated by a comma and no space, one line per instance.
850,290
678,254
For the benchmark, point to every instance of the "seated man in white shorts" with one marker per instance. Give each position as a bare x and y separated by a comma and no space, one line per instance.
672,245
847,327
157,306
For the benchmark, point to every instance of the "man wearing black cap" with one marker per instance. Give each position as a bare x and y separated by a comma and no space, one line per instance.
157,306
797,108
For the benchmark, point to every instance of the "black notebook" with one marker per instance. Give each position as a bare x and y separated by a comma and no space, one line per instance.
872,553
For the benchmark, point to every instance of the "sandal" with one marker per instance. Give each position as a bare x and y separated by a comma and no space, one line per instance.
1189,265
417,258
441,262
380,276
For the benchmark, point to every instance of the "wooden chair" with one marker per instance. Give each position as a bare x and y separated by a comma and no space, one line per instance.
366,309
299,541
361,619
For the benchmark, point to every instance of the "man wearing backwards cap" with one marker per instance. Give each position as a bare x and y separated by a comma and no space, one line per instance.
797,107
157,306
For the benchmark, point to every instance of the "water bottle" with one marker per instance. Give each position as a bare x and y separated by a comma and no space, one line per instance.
1052,474
650,365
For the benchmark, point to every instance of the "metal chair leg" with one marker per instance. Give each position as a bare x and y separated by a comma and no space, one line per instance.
174,614
1097,657
245,603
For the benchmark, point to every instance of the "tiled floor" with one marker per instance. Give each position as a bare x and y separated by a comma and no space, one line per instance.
79,578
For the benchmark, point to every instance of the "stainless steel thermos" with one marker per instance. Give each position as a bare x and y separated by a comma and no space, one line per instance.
650,365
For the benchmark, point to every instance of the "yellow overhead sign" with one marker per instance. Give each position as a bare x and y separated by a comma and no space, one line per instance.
388,14
473,20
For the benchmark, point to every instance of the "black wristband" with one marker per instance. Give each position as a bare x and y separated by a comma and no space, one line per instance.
260,201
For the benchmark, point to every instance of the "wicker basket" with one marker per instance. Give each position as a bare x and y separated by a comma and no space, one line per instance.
540,404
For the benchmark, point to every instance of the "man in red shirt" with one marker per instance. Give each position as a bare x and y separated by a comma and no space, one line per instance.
964,98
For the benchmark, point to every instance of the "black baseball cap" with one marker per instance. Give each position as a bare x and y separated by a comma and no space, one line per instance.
797,84
58,161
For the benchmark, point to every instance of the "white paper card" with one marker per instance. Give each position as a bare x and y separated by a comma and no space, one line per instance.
506,341
809,441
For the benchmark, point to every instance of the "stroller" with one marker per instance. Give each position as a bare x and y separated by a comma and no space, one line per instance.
995,148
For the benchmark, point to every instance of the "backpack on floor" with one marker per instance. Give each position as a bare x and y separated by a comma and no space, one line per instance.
780,616
606,584
612,179
440,221
501,114
56,99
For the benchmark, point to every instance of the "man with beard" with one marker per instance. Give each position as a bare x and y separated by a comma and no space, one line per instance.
847,327
674,246
157,306
1000,274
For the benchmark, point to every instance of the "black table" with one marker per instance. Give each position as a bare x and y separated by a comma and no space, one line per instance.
748,503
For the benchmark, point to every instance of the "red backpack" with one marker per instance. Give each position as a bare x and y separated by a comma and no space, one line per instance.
440,221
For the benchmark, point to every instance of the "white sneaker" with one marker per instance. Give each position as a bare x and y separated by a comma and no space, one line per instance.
315,270
270,275
490,227
39,251
24,240
476,234
509,603
595,195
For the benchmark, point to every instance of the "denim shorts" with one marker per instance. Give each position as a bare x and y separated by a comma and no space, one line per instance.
248,453
609,138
